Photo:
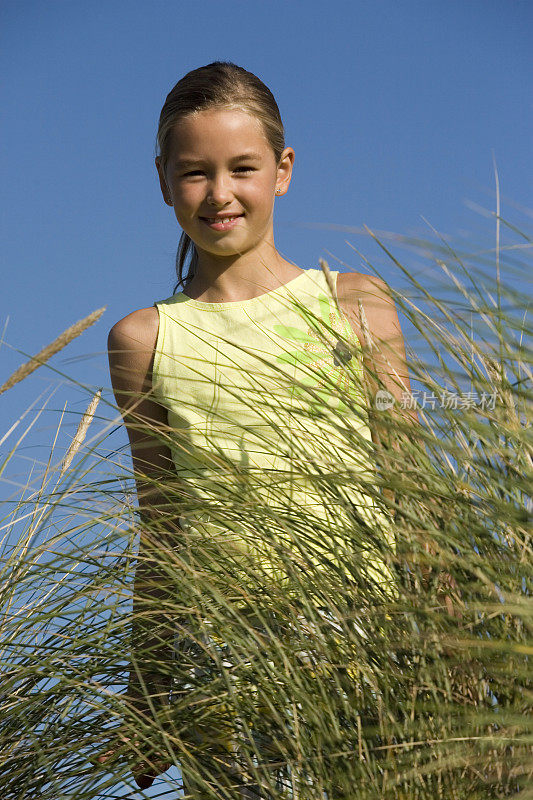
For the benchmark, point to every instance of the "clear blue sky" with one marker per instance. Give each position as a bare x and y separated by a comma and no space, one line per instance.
394,110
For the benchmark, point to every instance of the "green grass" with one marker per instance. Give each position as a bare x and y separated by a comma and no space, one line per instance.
388,695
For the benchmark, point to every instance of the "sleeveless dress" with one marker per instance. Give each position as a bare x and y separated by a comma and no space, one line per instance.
233,377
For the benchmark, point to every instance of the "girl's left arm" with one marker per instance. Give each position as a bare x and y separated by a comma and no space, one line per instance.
372,313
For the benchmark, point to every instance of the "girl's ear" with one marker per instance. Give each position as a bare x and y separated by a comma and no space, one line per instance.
162,182
284,170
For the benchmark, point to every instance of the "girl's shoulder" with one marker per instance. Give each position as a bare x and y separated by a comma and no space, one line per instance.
131,345
140,327
355,285
356,289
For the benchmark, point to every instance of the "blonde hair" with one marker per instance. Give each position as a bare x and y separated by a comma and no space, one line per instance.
220,85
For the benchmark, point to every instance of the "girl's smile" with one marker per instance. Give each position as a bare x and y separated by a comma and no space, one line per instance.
225,223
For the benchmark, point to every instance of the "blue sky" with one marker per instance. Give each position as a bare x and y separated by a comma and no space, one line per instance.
394,109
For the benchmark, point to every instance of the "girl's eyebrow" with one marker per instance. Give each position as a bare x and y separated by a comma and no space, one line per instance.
187,162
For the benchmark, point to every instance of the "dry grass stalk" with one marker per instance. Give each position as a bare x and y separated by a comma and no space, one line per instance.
327,274
369,343
496,374
81,432
51,349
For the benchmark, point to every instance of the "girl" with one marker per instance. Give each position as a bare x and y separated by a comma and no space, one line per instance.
222,162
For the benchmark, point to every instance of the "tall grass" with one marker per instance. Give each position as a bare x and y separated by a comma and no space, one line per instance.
326,678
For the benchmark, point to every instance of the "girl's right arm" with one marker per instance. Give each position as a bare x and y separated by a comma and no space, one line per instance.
131,346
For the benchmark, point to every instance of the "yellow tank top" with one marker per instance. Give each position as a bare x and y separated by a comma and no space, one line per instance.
233,378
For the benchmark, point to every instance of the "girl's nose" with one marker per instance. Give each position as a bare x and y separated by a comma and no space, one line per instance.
219,191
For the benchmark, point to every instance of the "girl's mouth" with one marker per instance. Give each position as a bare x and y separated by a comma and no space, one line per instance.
223,224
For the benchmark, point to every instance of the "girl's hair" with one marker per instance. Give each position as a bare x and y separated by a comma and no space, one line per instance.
219,85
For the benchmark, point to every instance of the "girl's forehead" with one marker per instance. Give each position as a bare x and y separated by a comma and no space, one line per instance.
218,131
233,119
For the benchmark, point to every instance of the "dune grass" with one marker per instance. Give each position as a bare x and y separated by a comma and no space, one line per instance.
327,678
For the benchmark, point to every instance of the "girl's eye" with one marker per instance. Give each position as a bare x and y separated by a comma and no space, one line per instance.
199,171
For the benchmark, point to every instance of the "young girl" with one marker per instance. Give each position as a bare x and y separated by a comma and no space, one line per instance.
222,163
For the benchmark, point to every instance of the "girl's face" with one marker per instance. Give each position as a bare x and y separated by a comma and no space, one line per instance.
221,165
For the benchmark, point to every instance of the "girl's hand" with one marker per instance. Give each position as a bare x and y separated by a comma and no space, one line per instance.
449,589
144,772
446,587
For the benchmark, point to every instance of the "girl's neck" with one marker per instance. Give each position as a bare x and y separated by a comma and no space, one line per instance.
239,281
